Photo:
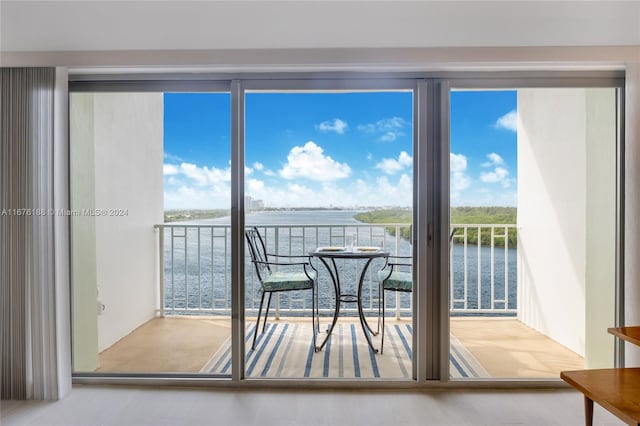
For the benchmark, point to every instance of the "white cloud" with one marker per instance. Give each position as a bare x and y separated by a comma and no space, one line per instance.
260,167
299,190
367,128
506,183
509,121
335,125
169,170
190,186
391,123
494,160
171,157
458,162
389,137
392,166
390,128
208,187
500,174
384,191
458,180
497,175
188,197
254,185
204,175
309,162
387,192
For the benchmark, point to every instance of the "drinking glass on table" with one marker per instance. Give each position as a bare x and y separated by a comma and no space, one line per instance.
350,240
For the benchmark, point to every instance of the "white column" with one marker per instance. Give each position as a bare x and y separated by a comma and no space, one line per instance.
61,232
632,205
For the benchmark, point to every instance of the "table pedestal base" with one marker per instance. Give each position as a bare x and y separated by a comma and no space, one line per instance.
348,298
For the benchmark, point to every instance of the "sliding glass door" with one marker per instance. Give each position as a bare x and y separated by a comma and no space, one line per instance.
150,206
533,265
332,229
329,190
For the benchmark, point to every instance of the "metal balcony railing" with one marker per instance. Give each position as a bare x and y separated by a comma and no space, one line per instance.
483,270
195,268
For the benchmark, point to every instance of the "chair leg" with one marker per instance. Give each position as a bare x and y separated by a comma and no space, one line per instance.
382,331
379,307
313,316
266,314
318,308
255,333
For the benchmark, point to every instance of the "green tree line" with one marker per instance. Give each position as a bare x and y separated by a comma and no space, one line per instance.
180,215
459,216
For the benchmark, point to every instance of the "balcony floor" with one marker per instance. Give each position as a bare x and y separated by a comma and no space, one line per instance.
505,347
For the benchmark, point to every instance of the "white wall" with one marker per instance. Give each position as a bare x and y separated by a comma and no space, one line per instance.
152,25
567,216
551,213
83,233
600,113
632,206
311,35
128,135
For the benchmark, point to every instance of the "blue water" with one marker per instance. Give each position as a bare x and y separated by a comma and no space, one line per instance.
288,217
185,288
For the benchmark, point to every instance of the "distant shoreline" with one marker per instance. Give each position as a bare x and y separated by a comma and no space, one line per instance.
368,214
178,215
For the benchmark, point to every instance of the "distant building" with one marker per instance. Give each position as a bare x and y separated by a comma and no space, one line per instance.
252,204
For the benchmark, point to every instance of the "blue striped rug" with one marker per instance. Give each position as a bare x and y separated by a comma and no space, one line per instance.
285,350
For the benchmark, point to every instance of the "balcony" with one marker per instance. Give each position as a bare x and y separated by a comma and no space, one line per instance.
194,303
505,348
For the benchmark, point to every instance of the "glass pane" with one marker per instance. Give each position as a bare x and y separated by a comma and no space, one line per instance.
532,271
323,172
151,281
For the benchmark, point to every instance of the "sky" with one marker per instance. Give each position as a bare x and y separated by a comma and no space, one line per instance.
483,132
347,149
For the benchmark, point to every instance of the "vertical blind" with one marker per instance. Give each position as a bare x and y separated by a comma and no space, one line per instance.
27,281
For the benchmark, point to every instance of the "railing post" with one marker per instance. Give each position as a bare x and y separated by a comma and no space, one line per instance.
199,272
451,275
173,271
397,253
506,267
186,270
479,280
161,266
493,261
277,251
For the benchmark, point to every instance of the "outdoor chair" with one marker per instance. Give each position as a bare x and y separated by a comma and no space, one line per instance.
396,275
276,275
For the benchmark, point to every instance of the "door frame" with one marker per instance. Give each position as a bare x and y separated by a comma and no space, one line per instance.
431,146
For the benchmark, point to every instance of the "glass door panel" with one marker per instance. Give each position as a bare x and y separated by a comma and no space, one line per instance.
150,198
327,173
533,225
